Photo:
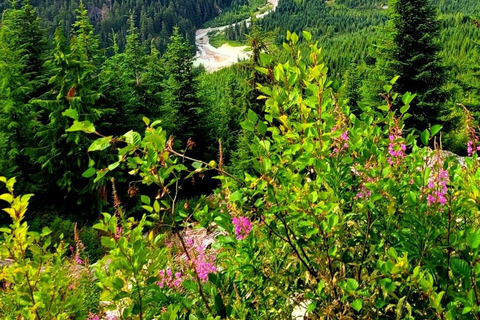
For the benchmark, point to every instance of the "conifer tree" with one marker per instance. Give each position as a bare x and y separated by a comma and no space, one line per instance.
180,102
22,77
414,56
74,94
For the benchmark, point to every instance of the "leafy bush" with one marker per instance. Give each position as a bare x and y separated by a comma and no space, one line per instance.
341,213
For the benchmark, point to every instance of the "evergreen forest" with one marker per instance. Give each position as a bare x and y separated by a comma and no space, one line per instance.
333,173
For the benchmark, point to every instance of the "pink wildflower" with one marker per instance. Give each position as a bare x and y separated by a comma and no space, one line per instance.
395,150
77,258
471,148
243,227
169,280
437,187
92,316
204,264
341,142
363,193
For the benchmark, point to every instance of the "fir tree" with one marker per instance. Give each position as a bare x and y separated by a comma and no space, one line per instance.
179,96
22,77
414,57
75,93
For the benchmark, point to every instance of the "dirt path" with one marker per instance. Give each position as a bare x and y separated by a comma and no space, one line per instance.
214,59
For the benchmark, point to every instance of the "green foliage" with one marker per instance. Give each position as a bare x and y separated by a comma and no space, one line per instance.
155,20
341,215
37,283
414,57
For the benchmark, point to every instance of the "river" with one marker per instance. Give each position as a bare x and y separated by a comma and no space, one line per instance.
214,59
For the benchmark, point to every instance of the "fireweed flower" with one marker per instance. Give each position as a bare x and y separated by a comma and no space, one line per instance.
340,143
170,280
243,226
396,150
437,187
471,149
202,262
363,193
93,317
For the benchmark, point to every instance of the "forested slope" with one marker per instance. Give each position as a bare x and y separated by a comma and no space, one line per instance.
154,19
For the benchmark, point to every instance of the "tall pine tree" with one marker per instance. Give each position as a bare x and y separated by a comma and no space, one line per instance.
414,56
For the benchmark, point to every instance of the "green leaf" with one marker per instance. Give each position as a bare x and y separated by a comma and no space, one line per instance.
461,267
145,199
352,284
45,232
425,136
133,137
392,82
384,108
236,196
404,108
71,113
357,304
108,242
262,128
473,240
307,35
85,126
197,165
114,165
294,38
6,197
89,173
146,121
435,129
248,126
100,174
252,116
407,98
100,144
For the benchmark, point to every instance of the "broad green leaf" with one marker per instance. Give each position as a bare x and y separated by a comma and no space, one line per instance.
352,284
404,108
89,173
435,129
384,108
473,239
146,121
145,199
425,137
307,35
392,82
71,113
114,165
461,267
252,116
294,38
133,137
100,174
357,304
248,126
84,126
197,165
100,144
262,128
6,197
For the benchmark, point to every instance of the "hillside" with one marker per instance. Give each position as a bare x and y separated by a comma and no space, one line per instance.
323,163
154,19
